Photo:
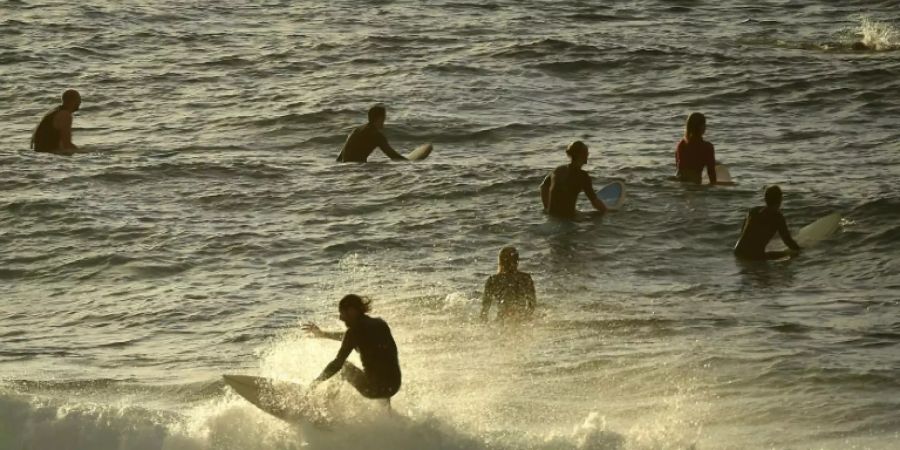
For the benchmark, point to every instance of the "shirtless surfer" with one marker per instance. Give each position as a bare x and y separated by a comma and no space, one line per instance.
560,189
362,141
54,133
760,226
371,337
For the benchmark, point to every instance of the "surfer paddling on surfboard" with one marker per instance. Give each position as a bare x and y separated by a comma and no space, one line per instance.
511,290
692,153
362,141
371,337
560,189
760,226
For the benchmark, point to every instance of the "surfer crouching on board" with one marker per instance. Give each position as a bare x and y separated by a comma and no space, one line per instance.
511,290
362,141
54,133
371,337
692,153
760,226
560,189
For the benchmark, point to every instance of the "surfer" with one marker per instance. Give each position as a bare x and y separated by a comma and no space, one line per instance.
760,226
362,141
511,290
561,187
693,153
371,337
54,133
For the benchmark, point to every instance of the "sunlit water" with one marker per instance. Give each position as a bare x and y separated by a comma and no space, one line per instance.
210,221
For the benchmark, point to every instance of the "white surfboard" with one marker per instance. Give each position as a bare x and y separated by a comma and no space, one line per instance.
819,230
612,195
282,399
723,175
811,234
421,152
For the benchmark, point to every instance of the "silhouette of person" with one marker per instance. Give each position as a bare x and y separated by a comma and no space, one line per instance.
693,153
760,225
371,337
54,133
511,290
560,189
362,141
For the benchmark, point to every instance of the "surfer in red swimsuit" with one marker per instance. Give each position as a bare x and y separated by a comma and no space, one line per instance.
693,153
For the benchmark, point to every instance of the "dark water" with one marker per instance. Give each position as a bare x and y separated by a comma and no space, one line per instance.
210,220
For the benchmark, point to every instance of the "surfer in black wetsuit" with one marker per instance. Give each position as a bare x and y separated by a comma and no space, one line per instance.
760,226
560,189
362,141
371,337
511,290
54,133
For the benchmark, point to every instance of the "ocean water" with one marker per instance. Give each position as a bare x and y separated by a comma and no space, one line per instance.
209,220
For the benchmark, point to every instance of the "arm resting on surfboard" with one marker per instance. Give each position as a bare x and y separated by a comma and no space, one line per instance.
711,165
785,234
592,196
388,150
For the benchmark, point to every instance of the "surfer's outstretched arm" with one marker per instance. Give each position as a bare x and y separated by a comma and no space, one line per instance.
388,150
317,332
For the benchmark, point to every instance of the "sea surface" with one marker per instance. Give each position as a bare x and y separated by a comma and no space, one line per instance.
209,220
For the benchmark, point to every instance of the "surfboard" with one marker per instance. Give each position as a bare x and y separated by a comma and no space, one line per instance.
421,152
723,175
282,399
819,230
612,195
811,234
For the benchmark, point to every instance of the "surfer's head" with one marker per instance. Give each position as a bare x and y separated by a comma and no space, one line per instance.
508,259
377,115
351,307
71,100
773,196
578,152
695,127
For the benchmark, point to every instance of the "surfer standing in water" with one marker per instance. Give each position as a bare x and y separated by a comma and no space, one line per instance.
560,189
760,226
371,337
511,290
54,133
692,153
362,141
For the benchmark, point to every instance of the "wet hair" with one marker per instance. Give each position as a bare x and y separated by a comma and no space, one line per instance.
694,127
508,259
354,301
574,147
773,195
70,96
377,112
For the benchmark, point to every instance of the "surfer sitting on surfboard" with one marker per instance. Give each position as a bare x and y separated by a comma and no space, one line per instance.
511,290
371,337
760,226
693,153
362,141
560,189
